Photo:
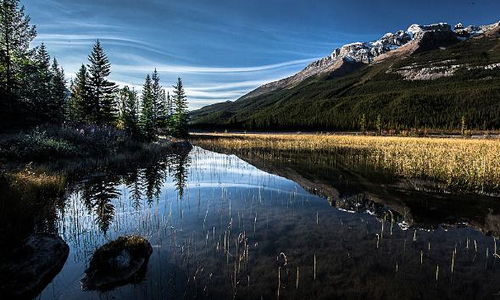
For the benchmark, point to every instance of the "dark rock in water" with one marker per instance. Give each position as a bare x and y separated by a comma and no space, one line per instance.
29,268
118,262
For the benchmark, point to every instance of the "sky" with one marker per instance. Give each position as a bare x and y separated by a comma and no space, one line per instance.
223,49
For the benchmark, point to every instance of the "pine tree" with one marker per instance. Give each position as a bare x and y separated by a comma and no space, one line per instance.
122,98
169,108
102,91
362,123
158,93
180,115
81,107
37,82
70,107
129,108
378,124
162,116
147,111
16,35
57,93
168,111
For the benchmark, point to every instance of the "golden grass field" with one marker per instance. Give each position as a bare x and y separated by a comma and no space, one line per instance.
463,163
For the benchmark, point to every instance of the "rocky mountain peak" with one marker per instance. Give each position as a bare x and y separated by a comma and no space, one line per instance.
416,29
366,52
351,56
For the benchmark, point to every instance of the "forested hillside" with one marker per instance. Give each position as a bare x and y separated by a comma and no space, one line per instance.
443,88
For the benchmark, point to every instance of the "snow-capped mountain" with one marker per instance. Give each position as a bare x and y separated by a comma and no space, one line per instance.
351,56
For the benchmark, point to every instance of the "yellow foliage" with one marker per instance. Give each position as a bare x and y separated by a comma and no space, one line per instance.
469,163
32,185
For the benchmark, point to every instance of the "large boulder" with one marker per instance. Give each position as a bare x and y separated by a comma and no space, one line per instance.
30,267
118,262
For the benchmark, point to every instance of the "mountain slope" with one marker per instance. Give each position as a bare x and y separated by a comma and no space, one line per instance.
426,76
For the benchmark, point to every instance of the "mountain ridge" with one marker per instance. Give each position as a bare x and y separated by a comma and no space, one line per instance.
361,52
427,53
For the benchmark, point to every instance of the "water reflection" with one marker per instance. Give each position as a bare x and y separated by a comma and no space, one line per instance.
222,228
99,193
423,204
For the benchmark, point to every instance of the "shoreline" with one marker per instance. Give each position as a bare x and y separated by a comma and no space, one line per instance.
463,165
451,135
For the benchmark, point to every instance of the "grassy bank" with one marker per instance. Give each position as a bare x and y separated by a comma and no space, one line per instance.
463,164
44,159
45,143
54,147
40,167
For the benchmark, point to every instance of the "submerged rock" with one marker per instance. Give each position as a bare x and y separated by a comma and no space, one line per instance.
29,268
118,262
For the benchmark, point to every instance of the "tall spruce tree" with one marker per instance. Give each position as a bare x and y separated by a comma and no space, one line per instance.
156,91
362,123
162,116
169,105
180,114
102,91
16,34
147,110
80,104
378,124
122,97
37,81
70,109
57,88
168,111
129,111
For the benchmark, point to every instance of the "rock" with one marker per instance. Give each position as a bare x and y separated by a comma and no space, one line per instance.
433,39
459,26
416,29
118,262
29,268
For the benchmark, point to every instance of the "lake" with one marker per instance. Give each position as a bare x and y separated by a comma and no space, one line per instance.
225,227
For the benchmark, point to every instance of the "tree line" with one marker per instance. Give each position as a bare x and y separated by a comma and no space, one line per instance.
33,88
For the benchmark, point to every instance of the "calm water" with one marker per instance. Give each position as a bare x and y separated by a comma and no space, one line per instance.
222,228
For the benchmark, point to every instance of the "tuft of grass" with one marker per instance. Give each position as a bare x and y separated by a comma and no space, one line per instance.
28,196
35,185
464,164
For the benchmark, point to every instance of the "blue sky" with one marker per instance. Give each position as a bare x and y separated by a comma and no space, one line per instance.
225,48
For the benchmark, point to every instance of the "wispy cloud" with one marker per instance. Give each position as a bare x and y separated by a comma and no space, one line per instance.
87,40
214,94
232,85
179,69
58,24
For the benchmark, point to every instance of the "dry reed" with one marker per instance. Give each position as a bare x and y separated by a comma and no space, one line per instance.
464,163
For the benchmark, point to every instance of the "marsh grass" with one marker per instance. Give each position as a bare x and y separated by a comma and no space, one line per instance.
35,184
462,164
27,197
34,193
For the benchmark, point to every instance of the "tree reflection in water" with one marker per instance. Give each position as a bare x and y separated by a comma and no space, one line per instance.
97,196
134,185
181,165
98,193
